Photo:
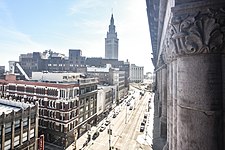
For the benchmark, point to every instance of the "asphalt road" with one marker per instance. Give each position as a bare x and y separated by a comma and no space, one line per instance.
125,127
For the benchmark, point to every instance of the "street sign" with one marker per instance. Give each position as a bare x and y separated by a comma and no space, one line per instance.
41,142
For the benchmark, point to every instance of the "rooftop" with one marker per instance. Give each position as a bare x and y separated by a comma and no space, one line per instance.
7,106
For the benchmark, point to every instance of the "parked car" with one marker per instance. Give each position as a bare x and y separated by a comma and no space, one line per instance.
102,128
145,116
142,128
144,120
95,135
114,115
107,122
131,107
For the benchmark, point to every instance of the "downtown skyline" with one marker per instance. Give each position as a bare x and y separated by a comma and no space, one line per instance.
37,26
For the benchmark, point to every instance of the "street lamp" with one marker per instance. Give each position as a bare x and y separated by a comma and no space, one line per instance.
75,139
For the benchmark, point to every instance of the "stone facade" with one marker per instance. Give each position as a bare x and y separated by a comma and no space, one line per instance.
188,50
18,125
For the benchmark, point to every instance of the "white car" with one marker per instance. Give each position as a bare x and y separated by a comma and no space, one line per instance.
102,128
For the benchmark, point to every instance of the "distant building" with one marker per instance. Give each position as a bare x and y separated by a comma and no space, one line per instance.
52,62
18,125
102,73
65,105
136,73
111,42
110,76
2,70
101,63
117,78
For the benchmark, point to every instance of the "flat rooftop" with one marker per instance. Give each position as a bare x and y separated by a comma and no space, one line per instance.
7,106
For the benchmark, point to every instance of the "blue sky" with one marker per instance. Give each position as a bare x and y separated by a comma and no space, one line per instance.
29,25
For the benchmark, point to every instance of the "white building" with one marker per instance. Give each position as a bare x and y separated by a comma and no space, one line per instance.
136,73
117,78
105,98
56,76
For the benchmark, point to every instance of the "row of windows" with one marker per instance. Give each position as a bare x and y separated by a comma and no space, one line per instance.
60,127
16,141
57,115
41,91
53,104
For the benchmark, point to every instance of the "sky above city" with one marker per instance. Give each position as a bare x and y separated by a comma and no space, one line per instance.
34,26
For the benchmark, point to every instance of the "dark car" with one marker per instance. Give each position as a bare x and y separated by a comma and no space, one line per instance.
114,115
142,128
145,116
95,135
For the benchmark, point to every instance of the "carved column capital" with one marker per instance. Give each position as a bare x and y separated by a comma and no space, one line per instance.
195,33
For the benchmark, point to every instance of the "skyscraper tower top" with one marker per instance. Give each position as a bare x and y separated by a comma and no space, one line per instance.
111,41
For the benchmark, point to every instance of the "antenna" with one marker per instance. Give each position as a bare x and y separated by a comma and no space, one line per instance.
112,10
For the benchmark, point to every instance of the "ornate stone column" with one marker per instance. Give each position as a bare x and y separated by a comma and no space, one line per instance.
163,119
197,41
174,84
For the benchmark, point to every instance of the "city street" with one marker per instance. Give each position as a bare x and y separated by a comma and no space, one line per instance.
125,126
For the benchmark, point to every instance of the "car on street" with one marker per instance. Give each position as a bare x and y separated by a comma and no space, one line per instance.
95,135
145,116
144,120
107,122
131,107
142,128
114,115
102,128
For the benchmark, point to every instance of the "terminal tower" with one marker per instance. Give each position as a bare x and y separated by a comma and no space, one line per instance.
111,42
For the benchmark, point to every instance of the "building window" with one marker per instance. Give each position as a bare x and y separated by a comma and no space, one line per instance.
81,119
32,133
16,140
8,128
25,122
81,110
7,144
17,124
24,136
86,108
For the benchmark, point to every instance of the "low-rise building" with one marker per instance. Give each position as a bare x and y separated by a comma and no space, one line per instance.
65,106
18,125
104,101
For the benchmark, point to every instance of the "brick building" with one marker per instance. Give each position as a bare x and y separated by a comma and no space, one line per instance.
64,107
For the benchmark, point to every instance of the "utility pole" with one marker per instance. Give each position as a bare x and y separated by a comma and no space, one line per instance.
126,114
110,133
75,139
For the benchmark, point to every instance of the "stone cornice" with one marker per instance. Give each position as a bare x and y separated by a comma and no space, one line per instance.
195,33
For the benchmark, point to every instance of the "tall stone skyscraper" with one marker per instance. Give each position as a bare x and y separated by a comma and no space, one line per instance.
111,42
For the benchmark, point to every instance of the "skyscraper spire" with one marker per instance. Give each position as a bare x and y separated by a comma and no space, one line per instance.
111,41
112,20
